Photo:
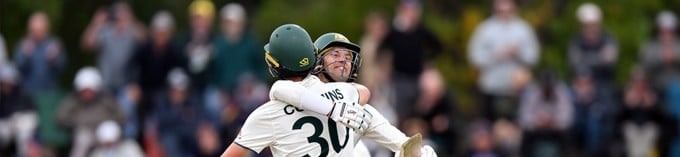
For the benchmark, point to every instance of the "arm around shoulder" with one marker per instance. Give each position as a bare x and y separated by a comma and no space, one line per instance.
364,93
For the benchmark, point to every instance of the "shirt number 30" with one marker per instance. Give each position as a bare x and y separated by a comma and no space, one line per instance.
318,129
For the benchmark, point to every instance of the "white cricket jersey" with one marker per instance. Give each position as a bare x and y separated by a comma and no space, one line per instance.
291,131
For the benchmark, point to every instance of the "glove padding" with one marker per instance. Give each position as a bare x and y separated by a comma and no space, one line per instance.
413,147
351,115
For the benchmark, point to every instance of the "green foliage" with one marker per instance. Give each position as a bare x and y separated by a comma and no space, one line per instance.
317,16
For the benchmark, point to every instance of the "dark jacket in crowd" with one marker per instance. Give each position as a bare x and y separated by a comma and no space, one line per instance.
410,49
11,102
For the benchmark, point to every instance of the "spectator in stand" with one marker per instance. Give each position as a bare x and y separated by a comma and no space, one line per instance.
411,44
179,115
481,141
151,62
508,137
85,109
237,50
545,115
642,127
437,107
594,111
504,49
238,55
39,56
593,48
197,45
110,143
18,119
208,141
660,57
374,71
114,34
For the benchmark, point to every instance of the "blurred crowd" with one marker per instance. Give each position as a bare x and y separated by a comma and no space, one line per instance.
157,93
151,93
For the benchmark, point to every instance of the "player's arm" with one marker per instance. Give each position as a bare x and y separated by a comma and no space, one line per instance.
299,96
380,131
234,150
254,135
364,93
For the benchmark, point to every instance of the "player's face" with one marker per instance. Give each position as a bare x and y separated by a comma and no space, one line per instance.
338,63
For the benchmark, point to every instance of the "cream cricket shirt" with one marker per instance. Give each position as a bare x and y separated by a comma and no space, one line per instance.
291,131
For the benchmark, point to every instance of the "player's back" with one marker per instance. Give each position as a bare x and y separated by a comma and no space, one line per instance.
291,131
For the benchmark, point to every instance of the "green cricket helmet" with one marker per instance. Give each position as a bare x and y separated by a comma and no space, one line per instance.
290,52
328,40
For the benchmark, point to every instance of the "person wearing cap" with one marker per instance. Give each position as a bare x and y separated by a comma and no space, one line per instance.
237,50
593,48
412,46
237,56
113,34
178,115
39,56
18,119
660,57
152,61
85,109
197,44
503,48
110,143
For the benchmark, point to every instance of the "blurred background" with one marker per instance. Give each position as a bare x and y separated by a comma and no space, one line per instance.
504,78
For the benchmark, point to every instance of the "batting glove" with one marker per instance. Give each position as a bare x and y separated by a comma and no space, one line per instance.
350,114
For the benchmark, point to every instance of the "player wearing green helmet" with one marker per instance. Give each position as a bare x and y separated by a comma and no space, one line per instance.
290,52
291,130
338,60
